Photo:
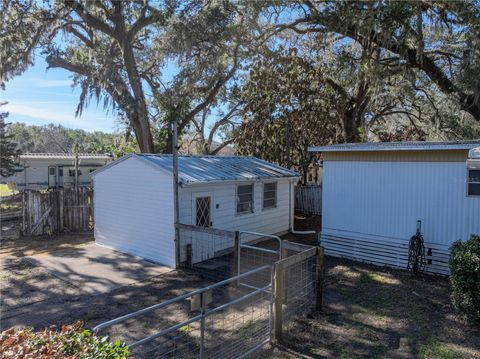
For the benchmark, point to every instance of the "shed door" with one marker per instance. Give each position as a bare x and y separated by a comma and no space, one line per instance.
203,244
52,178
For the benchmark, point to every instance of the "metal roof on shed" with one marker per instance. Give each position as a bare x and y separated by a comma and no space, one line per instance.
204,169
398,146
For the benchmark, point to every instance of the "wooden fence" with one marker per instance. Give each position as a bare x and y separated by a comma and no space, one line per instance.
308,199
39,213
10,216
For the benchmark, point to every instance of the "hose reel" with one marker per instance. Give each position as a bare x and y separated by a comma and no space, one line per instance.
416,252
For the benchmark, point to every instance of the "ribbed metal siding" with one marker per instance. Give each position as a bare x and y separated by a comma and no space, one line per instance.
383,201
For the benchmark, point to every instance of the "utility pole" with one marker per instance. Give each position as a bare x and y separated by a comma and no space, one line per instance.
175,190
77,164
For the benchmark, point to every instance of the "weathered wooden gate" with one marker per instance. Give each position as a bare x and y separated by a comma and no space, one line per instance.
57,211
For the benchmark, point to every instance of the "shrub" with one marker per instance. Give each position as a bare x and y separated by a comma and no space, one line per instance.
465,277
72,341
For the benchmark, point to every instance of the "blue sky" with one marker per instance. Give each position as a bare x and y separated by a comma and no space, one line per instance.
38,97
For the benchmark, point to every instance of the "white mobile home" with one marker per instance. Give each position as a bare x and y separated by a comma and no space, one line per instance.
49,170
374,193
134,200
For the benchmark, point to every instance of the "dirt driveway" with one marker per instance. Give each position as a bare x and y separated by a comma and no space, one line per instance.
94,269
40,277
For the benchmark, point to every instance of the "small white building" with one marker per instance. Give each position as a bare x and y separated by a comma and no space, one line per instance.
50,170
374,193
134,200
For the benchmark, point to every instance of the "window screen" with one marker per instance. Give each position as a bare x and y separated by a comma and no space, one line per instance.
473,182
270,195
245,198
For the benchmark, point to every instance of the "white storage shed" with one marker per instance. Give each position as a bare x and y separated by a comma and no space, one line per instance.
134,201
374,193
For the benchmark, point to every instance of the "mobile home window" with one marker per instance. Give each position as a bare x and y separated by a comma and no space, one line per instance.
270,195
71,173
473,185
245,198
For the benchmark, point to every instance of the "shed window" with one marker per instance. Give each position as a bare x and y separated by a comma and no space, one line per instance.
270,195
245,198
473,184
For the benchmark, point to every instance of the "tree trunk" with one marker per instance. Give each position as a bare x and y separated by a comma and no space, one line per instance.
350,129
142,132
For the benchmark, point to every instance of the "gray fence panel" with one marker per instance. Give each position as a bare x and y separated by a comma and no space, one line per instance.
308,199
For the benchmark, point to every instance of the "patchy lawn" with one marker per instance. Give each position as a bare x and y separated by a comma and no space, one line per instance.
376,312
5,191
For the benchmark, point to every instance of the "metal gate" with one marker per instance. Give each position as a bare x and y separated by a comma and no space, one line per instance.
273,282
220,320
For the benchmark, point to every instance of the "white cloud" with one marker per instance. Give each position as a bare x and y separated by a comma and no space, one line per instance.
47,112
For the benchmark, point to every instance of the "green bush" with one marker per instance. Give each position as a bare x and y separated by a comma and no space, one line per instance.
72,341
465,277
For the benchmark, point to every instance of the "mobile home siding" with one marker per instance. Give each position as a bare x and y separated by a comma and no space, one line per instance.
134,211
371,209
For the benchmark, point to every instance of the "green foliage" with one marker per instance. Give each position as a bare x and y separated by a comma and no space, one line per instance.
332,71
71,341
284,112
464,266
56,138
367,278
8,149
117,53
434,349
399,69
184,330
92,346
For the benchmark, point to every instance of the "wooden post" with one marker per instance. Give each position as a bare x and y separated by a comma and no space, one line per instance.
236,256
76,163
188,248
60,210
24,213
320,277
278,302
30,211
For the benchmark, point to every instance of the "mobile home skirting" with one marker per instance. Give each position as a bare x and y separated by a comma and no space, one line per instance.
382,250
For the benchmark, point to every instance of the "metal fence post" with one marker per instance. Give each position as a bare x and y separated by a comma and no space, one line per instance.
284,252
320,277
236,256
278,302
202,323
